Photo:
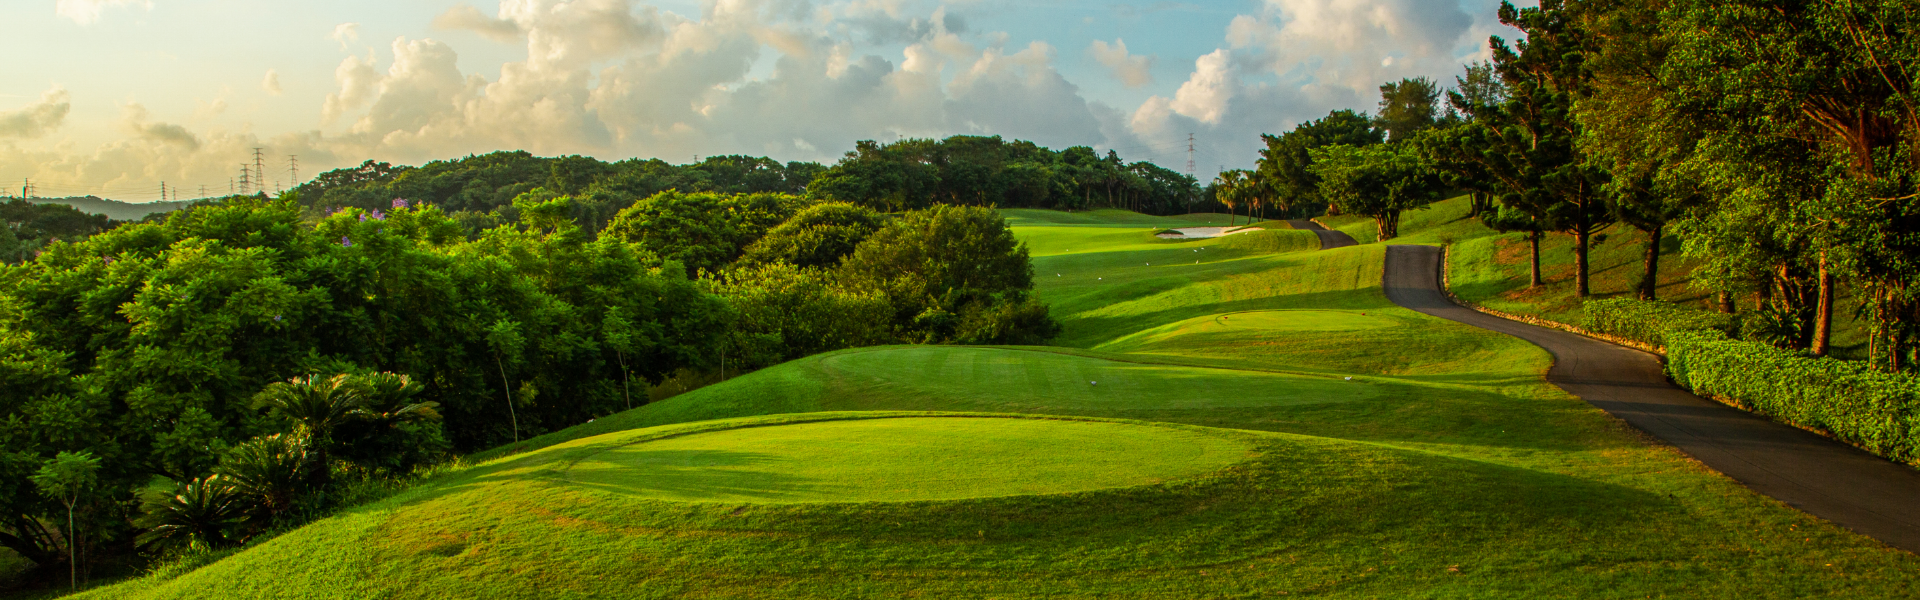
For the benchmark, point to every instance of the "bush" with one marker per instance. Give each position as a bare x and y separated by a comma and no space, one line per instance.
1651,322
1878,412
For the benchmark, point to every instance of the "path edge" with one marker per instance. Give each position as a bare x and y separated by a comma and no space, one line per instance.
1446,287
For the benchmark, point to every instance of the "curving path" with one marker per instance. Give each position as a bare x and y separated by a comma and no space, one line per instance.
1825,478
1328,238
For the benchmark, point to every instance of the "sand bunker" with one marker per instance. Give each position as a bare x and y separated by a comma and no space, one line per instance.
1190,233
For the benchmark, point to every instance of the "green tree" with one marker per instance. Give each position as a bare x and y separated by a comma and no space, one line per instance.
1286,164
1378,181
1407,107
1530,139
952,275
816,237
66,477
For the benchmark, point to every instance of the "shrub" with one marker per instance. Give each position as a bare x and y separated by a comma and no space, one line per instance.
1876,411
1651,322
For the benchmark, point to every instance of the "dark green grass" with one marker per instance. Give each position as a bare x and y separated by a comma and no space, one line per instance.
1445,468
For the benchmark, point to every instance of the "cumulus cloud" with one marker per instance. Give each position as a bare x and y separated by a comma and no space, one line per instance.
86,12
1205,95
1132,71
345,33
1343,50
38,119
134,118
465,16
271,84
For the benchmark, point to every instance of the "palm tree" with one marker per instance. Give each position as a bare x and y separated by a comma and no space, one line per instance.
197,514
316,406
388,399
268,469
1226,190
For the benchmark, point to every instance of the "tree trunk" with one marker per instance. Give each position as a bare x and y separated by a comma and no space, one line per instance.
1533,280
626,379
1650,269
1726,302
1823,313
1580,263
73,565
504,386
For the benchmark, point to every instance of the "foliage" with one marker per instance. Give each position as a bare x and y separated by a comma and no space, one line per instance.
25,227
702,232
1407,107
1376,181
481,189
1529,141
951,274
1879,412
1286,164
817,236
988,171
786,312
199,514
1650,322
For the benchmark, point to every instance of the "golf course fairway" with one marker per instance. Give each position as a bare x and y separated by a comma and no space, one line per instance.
900,459
1240,417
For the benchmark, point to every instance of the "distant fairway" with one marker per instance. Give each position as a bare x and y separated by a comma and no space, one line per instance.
890,460
1227,418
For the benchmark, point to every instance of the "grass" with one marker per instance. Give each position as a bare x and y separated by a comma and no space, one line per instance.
1445,467
898,459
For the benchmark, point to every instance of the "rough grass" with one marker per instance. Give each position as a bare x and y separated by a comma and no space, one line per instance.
1446,467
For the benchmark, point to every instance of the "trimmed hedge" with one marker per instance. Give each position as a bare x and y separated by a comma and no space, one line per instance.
1876,411
1649,322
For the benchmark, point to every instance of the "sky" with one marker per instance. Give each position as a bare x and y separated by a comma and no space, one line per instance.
116,97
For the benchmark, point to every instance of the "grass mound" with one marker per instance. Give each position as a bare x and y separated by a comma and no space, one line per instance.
898,459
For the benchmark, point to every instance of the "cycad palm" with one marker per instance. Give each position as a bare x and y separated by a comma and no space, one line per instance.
388,399
316,406
268,469
198,514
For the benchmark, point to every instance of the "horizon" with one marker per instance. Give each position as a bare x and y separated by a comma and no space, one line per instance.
340,83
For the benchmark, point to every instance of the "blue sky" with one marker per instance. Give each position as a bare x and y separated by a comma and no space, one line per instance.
113,97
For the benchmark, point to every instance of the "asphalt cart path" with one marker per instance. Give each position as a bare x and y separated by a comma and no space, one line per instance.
1825,478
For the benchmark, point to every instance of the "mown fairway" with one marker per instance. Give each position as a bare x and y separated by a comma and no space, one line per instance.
1236,417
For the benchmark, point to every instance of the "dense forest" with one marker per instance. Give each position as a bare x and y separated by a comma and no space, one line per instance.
26,227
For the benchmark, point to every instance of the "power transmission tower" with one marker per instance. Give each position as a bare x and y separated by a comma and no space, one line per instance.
259,169
246,185
1190,155
203,192
293,170
163,191
26,190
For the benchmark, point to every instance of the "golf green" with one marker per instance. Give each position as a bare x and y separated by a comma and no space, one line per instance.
903,459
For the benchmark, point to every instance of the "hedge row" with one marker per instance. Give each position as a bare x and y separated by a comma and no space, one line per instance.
1876,411
1647,322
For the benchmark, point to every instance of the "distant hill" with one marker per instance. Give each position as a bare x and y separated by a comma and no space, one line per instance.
115,209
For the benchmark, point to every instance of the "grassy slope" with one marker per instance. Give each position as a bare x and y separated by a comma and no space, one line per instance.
1445,468
1490,268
